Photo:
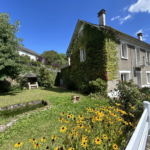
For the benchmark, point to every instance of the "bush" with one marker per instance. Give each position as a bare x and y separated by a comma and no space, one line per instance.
130,99
145,90
45,79
15,88
70,84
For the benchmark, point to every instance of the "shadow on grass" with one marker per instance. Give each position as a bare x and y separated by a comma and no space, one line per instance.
61,90
12,93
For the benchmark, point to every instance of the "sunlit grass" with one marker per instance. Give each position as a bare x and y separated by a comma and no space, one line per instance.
44,123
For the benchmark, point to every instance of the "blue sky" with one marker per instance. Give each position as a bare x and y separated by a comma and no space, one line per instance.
49,24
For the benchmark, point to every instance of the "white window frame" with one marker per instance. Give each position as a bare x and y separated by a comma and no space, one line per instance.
147,76
125,72
126,51
136,49
82,55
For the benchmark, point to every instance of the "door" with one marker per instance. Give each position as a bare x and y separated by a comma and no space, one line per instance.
139,81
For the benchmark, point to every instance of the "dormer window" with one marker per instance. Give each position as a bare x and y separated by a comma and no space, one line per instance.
82,55
124,52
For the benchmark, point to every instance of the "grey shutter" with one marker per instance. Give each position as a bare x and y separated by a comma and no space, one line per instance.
124,50
80,55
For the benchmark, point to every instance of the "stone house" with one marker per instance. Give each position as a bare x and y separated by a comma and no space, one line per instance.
133,55
32,54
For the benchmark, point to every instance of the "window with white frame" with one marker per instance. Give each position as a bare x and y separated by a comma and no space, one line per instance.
148,77
124,52
125,75
82,55
148,57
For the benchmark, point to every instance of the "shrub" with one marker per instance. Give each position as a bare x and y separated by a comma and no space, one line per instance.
45,79
15,88
131,100
70,84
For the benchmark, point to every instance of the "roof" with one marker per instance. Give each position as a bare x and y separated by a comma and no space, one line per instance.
99,26
28,50
67,65
29,75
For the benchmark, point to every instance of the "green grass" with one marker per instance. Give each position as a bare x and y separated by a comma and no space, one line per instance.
44,123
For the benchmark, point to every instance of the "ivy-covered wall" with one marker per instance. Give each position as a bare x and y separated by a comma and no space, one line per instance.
101,61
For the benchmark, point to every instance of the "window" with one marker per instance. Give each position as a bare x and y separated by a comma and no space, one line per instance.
124,53
148,57
125,75
82,55
148,77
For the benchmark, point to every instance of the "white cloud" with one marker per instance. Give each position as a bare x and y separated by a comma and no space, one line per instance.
117,17
144,39
122,20
141,5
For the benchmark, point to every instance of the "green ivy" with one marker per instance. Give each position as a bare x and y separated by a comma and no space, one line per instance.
100,46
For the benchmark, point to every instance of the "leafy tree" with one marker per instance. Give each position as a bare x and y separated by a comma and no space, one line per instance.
50,56
9,56
45,79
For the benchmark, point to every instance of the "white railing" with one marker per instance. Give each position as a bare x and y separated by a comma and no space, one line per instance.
139,137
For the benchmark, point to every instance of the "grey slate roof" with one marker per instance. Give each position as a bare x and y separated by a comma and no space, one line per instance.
29,75
28,50
67,65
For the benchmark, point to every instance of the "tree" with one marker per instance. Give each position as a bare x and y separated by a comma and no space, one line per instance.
9,56
50,56
45,79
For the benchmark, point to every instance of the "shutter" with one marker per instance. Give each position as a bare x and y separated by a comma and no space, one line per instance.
124,50
80,55
84,55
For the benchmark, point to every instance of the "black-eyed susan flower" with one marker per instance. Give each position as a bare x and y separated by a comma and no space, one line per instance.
70,148
80,117
125,122
63,129
80,126
98,140
32,140
54,137
132,107
66,121
115,147
48,148
117,104
105,136
43,139
84,144
18,144
60,119
36,145
62,113
56,148
87,130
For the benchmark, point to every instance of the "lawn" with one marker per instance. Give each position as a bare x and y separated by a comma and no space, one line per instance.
44,123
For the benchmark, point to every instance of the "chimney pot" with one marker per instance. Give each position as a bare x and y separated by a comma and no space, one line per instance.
139,36
101,16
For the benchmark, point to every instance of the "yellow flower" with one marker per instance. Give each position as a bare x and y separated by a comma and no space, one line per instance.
80,126
32,140
120,132
54,137
132,107
62,113
131,114
37,145
87,130
63,129
84,144
60,119
43,139
18,144
126,123
117,104
56,148
119,119
88,117
70,148
66,121
115,147
105,136
76,133
70,125
84,138
98,140
80,117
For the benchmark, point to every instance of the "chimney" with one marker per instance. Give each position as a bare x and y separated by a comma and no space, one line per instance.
139,36
101,16
69,61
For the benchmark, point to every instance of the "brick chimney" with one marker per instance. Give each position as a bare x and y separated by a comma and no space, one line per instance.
139,36
101,16
69,61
